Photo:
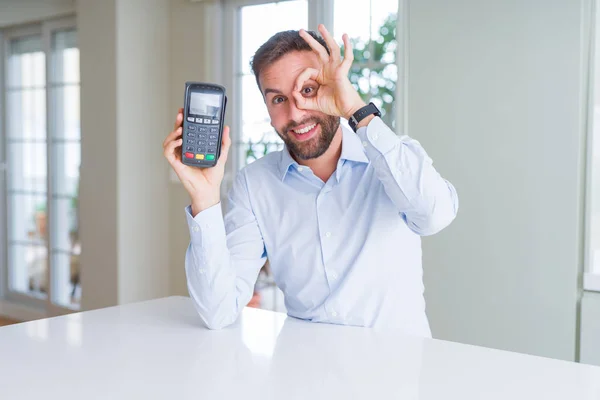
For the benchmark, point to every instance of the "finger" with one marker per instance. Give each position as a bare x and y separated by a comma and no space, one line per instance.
226,144
305,103
307,74
348,53
334,49
172,136
178,119
170,150
179,169
316,46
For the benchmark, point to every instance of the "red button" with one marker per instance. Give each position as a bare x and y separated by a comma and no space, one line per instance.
189,155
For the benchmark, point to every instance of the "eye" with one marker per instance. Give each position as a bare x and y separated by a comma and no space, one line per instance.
307,90
278,99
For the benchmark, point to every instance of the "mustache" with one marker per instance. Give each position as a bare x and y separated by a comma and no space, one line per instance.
293,125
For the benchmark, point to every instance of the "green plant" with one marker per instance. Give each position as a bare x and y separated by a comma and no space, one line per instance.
75,198
252,151
260,148
374,75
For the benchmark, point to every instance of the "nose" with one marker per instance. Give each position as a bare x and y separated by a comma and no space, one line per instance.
294,113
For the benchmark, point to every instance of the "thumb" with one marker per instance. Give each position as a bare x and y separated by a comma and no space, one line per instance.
305,103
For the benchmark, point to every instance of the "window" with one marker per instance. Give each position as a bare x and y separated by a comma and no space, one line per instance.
374,73
26,165
371,25
42,156
257,24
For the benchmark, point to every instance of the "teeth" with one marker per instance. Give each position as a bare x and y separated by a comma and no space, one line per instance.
304,130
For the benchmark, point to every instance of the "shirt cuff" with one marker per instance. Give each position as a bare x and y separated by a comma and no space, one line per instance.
377,136
207,226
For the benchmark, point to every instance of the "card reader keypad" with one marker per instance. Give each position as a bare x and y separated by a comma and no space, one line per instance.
202,136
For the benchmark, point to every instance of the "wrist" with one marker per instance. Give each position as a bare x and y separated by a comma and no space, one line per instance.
363,116
355,107
199,205
365,121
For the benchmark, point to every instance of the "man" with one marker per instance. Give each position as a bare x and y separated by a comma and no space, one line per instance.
339,214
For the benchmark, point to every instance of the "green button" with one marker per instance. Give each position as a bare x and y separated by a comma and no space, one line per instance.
210,157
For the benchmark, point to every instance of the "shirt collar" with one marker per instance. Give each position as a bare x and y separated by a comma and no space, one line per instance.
352,150
285,162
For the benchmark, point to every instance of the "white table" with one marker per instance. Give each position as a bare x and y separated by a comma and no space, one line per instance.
158,349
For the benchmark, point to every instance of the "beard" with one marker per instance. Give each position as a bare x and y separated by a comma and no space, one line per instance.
315,146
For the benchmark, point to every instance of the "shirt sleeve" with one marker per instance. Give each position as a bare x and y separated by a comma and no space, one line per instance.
427,201
224,257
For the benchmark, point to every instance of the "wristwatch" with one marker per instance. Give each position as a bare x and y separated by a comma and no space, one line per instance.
362,113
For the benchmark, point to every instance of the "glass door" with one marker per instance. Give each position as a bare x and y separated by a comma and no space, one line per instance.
42,158
26,141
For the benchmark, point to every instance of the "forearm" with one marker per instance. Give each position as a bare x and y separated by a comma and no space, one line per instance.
217,292
219,283
201,203
427,201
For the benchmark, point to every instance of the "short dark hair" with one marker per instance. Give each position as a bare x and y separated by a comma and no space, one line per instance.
279,45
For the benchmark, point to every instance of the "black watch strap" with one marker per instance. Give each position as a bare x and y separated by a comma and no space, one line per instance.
362,113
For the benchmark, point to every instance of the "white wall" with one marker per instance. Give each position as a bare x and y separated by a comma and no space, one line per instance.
590,328
193,35
594,155
125,60
143,61
186,36
15,12
97,35
495,97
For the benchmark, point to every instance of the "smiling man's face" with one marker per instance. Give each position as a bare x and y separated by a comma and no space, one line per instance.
307,134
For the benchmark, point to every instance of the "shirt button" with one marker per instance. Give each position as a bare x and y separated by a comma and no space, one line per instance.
365,144
334,275
195,229
202,271
333,314
375,137
300,169
328,234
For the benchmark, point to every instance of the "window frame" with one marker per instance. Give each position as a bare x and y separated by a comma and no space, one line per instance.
45,29
3,202
319,11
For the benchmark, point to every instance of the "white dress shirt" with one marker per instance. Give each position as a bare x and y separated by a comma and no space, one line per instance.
347,251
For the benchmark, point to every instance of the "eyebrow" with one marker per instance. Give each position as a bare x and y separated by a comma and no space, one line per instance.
267,91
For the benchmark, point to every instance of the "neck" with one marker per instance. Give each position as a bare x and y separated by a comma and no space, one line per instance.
324,165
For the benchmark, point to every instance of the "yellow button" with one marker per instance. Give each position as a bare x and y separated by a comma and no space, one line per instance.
199,156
